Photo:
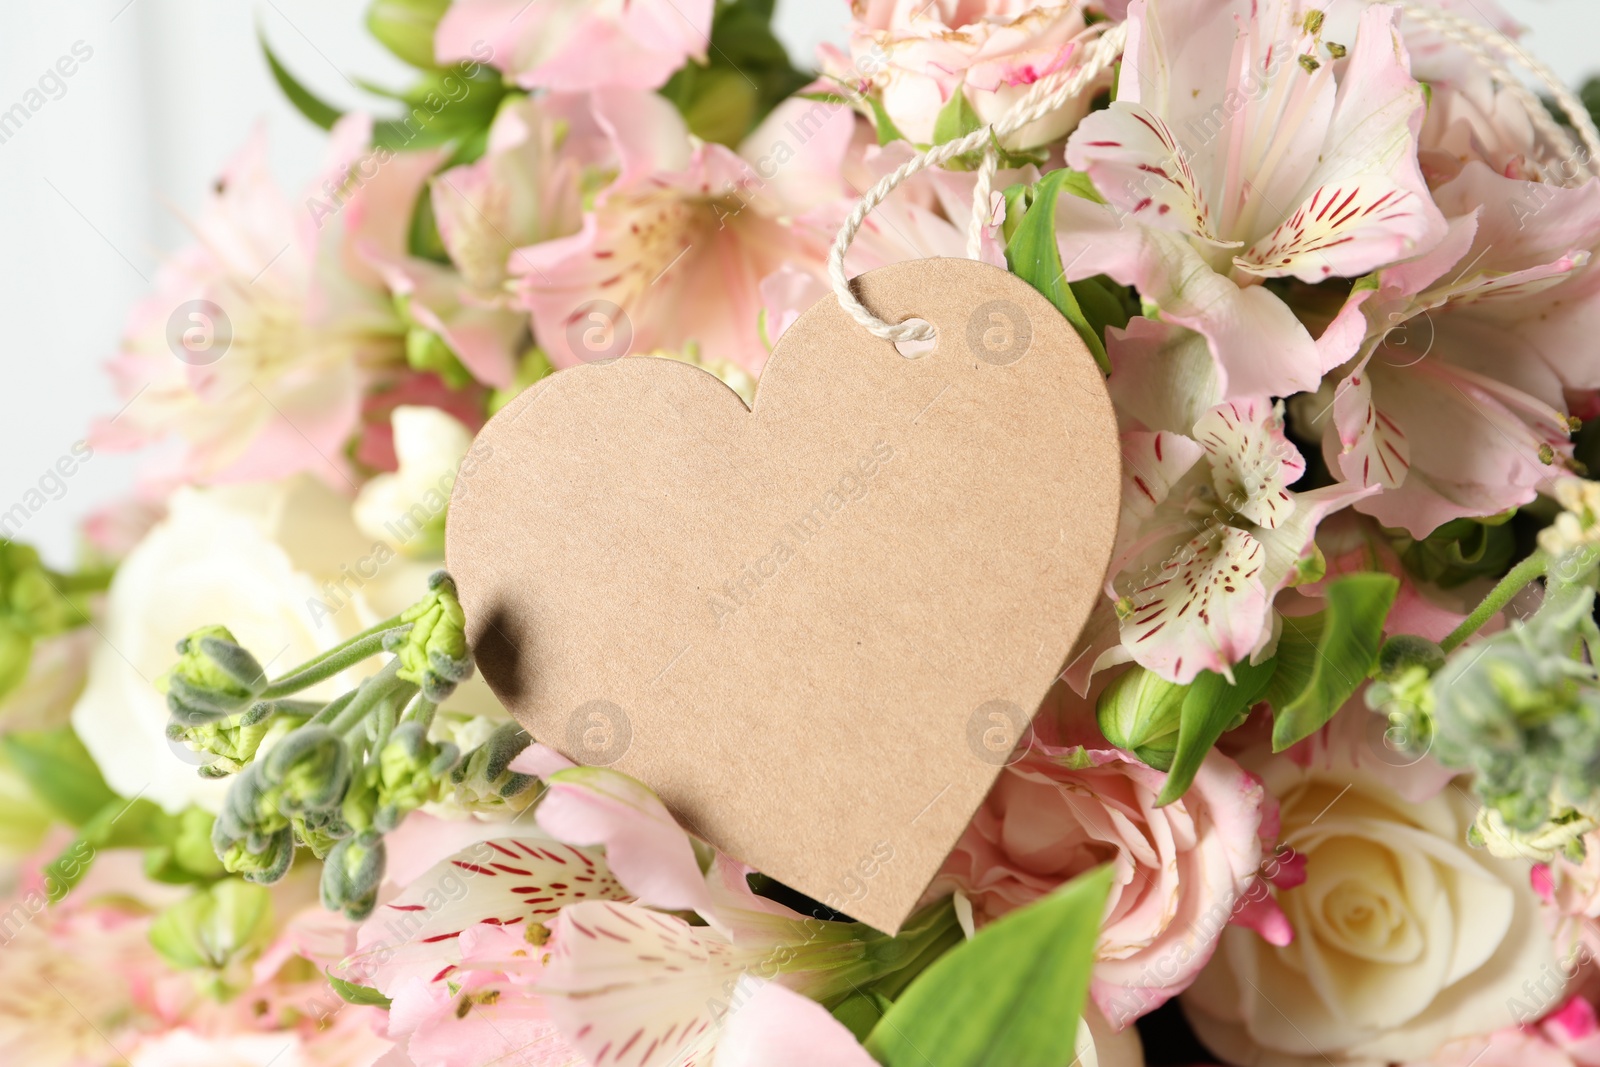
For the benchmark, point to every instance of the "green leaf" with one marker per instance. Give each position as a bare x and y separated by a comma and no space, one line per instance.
61,772
887,130
351,993
1105,303
1010,997
313,107
956,119
1323,658
1210,708
1034,256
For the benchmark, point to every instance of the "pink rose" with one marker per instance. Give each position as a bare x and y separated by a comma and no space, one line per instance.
1182,871
915,54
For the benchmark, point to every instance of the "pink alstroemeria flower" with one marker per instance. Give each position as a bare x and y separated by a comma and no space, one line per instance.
1210,531
672,254
259,340
577,45
562,944
527,188
1453,399
1243,149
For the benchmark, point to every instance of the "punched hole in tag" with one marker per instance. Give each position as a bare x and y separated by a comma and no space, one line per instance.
917,347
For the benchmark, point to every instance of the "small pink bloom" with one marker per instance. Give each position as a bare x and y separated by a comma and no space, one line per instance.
1452,397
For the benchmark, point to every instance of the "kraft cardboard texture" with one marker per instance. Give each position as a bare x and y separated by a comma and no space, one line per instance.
818,627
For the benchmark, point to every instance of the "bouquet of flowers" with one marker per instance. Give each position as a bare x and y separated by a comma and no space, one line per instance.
1320,783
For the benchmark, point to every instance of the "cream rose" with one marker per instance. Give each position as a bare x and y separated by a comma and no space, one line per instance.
1405,937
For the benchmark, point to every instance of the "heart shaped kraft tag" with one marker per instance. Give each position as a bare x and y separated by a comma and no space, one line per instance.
818,627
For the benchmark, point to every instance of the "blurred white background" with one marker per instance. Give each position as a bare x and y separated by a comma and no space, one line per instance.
95,185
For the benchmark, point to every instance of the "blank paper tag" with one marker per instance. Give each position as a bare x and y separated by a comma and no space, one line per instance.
817,628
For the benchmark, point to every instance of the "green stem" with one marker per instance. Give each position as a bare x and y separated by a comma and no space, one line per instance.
420,710
334,661
1523,574
331,711
938,937
367,696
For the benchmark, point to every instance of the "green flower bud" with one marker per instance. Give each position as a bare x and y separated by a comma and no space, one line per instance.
351,873
214,677
405,27
263,859
321,830
1140,712
406,776
218,929
234,741
433,652
308,770
483,778
1402,652
1521,713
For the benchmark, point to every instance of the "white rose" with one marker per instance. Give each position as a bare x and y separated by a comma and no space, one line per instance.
1406,937
253,559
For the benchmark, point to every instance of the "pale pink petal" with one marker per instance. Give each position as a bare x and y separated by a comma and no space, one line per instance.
1137,165
504,882
484,338
1373,449
797,155
1343,230
1259,347
635,987
1162,375
645,848
772,1026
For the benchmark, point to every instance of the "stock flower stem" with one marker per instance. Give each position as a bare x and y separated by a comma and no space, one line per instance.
420,710
340,658
333,708
1530,569
366,698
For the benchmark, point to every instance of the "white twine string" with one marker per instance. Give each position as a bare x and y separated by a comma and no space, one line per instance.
982,193
1484,43
1488,46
